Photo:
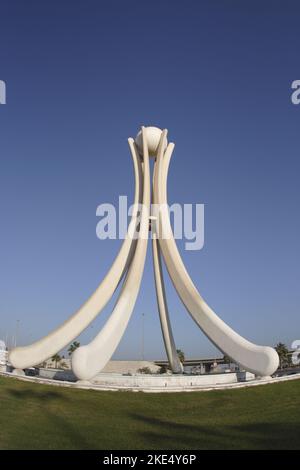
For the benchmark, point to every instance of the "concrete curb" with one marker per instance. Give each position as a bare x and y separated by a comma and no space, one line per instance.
205,388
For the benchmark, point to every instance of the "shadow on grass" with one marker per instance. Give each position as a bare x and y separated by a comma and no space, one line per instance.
173,435
55,421
35,394
75,439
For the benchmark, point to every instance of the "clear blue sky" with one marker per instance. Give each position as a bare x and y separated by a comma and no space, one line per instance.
82,76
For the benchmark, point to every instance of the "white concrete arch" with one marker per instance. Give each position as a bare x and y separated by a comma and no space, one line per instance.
46,347
89,360
261,360
162,304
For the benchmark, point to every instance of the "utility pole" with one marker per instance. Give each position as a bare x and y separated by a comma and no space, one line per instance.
17,332
143,336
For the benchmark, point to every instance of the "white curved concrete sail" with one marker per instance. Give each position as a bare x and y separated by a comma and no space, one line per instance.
46,347
261,360
89,360
162,304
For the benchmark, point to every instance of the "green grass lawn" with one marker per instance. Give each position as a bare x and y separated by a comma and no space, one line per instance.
36,416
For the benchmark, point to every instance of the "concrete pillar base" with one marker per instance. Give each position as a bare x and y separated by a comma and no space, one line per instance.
83,383
19,372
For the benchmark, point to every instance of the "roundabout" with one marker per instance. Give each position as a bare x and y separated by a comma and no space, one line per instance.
150,215
156,383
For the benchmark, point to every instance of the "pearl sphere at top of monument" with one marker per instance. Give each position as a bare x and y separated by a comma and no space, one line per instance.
153,135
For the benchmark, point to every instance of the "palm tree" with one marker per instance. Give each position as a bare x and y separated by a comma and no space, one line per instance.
144,370
180,355
42,365
56,358
73,347
283,353
163,369
226,359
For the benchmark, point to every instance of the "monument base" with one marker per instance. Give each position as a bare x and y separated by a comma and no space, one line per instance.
166,381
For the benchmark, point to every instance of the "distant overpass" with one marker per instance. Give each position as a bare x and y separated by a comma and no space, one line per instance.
193,362
205,364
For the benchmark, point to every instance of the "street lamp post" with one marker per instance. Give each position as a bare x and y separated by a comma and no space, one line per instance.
143,336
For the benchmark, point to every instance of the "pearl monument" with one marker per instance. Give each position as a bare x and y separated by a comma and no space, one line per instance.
128,267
